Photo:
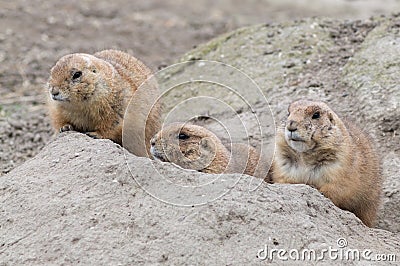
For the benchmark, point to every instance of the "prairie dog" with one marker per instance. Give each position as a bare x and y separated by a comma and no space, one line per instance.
317,148
195,147
90,94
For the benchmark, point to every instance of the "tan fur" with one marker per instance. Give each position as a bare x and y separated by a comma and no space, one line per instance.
202,151
95,102
331,155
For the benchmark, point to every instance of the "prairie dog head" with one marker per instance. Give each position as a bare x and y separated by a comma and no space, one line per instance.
77,77
189,146
311,125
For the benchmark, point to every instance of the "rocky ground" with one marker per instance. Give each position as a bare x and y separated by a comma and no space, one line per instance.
351,64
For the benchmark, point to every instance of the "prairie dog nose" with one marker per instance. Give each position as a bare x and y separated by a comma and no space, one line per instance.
292,126
54,91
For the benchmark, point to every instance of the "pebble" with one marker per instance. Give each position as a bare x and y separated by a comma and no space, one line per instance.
16,123
29,136
37,138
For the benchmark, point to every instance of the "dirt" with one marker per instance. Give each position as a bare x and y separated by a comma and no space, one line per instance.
54,214
351,64
34,36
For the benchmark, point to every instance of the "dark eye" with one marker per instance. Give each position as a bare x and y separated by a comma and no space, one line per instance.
183,136
316,115
77,75
94,70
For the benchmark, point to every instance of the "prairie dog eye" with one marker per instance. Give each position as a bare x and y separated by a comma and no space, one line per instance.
316,115
183,136
76,75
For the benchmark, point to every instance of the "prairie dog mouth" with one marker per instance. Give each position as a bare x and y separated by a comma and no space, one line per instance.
293,136
296,142
156,154
58,97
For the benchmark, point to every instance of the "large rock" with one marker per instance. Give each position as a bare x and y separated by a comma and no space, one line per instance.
77,202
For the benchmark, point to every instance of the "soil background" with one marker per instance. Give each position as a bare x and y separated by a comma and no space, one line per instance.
77,202
35,34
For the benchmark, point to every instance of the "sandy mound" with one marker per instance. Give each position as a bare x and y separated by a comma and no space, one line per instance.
77,202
